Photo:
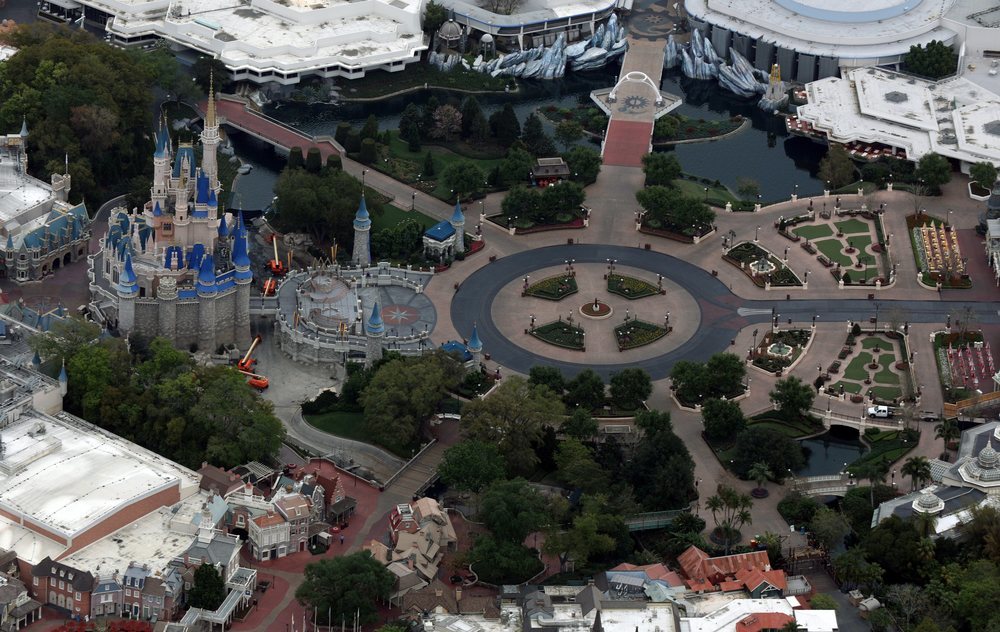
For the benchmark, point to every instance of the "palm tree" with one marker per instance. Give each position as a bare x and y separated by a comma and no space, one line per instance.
735,508
918,468
925,524
792,626
875,472
947,431
760,473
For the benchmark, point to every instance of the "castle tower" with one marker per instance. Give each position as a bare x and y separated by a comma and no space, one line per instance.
244,278
63,380
207,293
374,332
458,223
128,290
361,254
166,294
23,155
210,140
161,167
475,345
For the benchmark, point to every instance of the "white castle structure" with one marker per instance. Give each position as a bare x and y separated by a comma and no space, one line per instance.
178,267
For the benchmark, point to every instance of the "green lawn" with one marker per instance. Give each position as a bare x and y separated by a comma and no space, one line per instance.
876,341
390,215
857,370
832,249
849,387
349,425
886,392
886,376
816,231
717,196
791,431
443,157
853,226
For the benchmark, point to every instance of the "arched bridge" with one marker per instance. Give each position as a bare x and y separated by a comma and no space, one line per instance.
859,423
831,485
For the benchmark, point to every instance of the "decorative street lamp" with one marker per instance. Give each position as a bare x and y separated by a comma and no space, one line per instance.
756,235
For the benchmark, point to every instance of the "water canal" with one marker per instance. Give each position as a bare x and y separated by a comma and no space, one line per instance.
763,151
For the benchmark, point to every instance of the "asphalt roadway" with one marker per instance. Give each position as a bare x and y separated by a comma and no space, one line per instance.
723,314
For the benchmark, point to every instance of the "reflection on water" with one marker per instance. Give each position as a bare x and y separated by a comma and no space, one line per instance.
763,151
829,454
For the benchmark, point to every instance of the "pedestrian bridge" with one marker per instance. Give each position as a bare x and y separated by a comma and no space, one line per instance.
831,485
653,519
859,423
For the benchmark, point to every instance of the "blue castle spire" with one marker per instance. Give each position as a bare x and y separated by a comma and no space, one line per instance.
240,256
475,344
375,324
127,279
157,211
223,229
361,219
458,217
63,378
206,275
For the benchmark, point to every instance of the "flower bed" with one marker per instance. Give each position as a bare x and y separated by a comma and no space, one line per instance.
561,334
744,254
596,310
576,222
637,333
630,287
553,288
796,339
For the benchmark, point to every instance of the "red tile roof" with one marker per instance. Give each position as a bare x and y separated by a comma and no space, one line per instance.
697,565
763,621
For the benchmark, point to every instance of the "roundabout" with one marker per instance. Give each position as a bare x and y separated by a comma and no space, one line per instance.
706,323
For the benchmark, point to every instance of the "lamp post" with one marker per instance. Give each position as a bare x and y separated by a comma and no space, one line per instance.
756,235
877,305
706,194
413,200
949,218
482,209
753,350
786,254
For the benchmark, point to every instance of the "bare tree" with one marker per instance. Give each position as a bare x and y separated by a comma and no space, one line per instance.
503,7
907,600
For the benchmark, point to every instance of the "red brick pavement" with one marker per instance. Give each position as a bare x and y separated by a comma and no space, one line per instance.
983,286
627,142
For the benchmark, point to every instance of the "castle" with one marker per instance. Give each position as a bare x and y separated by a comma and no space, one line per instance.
178,267
40,230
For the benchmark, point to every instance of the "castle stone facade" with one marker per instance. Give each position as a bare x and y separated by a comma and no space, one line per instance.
178,267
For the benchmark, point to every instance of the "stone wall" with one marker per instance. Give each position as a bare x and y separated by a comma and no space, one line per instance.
147,319
187,324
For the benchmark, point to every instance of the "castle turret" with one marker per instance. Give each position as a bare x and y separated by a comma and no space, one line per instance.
210,139
206,306
63,380
458,223
362,227
244,278
128,290
374,333
166,294
475,345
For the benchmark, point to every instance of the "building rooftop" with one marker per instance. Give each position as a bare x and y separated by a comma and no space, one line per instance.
154,540
954,117
66,475
20,192
847,29
529,12
291,36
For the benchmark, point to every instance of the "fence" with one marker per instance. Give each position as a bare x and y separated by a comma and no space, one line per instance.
952,410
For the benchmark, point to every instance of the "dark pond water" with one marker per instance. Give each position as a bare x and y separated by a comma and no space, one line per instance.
830,453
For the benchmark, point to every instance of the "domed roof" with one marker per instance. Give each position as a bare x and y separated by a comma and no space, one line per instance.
486,39
988,457
928,503
450,30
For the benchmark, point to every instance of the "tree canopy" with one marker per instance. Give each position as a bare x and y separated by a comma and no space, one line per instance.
661,169
792,397
511,509
471,466
934,169
836,167
723,419
159,398
345,586
208,589
721,376
321,204
513,417
82,99
935,60
403,394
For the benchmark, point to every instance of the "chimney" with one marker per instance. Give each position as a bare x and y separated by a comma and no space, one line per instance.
437,592
458,594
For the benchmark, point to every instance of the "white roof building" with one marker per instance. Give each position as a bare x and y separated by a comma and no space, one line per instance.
275,40
954,117
812,39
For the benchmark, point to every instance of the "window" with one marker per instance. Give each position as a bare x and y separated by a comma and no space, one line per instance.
240,520
78,596
128,592
71,577
62,573
52,581
34,581
62,585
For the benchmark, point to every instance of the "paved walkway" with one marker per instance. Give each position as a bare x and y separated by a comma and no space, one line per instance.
630,129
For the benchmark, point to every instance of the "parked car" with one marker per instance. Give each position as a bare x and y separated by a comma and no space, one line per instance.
881,412
929,415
